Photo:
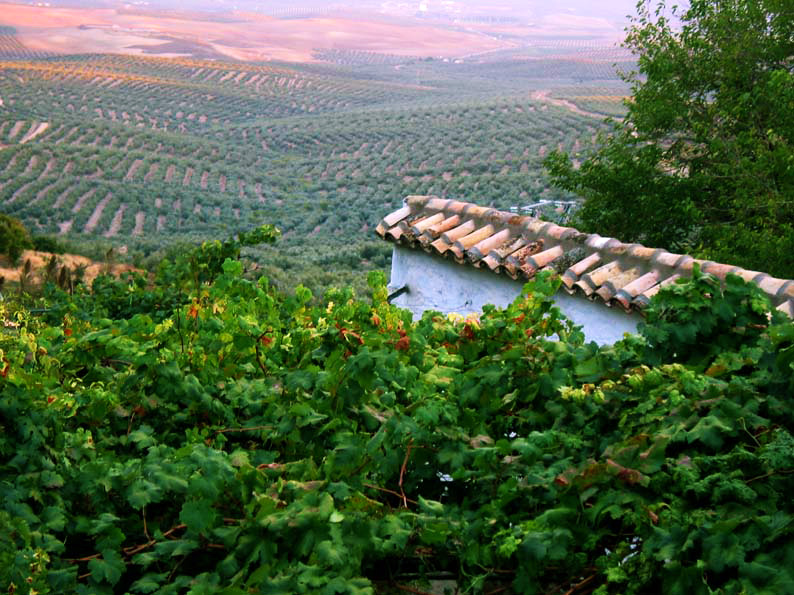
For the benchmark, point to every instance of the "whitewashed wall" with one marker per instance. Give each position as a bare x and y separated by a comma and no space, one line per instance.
438,284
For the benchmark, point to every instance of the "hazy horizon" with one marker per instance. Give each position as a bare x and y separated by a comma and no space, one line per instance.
612,10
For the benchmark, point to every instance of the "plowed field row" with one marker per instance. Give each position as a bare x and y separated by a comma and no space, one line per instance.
143,152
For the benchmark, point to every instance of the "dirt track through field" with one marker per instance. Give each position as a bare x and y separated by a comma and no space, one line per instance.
38,130
81,201
16,129
19,191
115,224
34,161
43,191
49,167
151,173
545,96
93,220
140,219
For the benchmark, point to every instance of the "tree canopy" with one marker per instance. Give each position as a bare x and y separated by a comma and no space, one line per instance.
704,160
14,238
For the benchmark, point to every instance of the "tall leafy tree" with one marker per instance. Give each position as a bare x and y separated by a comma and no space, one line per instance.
704,160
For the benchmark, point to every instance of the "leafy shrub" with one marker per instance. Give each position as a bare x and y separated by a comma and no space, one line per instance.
48,244
696,319
250,442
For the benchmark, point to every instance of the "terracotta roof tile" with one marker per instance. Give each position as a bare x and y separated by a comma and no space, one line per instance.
787,308
484,246
465,228
786,291
427,223
626,294
445,225
571,276
601,268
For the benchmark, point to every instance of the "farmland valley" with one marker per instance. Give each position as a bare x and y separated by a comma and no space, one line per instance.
140,129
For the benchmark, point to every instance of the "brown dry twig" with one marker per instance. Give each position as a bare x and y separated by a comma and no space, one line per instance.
402,471
86,559
387,491
581,584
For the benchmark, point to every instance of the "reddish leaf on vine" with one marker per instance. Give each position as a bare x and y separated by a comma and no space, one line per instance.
403,344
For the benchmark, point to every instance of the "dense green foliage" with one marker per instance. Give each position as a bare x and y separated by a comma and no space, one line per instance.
704,161
14,238
216,437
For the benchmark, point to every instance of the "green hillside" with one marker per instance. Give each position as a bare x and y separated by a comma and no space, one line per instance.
144,153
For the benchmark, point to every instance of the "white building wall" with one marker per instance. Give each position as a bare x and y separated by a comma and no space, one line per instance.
438,284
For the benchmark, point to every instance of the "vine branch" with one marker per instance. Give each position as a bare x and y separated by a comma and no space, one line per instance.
402,471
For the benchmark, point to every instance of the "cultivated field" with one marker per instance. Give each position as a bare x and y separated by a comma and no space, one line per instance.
141,151
237,36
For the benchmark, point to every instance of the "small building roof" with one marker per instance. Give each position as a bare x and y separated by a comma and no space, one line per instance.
600,268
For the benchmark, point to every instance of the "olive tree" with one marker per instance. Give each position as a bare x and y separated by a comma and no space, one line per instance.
14,238
704,160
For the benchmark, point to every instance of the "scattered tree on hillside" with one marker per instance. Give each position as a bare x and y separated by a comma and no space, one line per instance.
704,160
14,238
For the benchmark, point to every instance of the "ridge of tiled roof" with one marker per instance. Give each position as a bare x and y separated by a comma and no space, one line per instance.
600,268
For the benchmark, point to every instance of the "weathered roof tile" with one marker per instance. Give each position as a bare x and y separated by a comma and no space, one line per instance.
599,267
464,229
626,294
426,223
484,246
445,225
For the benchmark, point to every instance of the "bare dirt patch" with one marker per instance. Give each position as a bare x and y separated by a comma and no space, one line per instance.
40,194
16,129
545,96
61,198
244,36
82,200
93,220
115,224
133,169
37,130
140,219
38,261
34,161
49,167
152,172
19,192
